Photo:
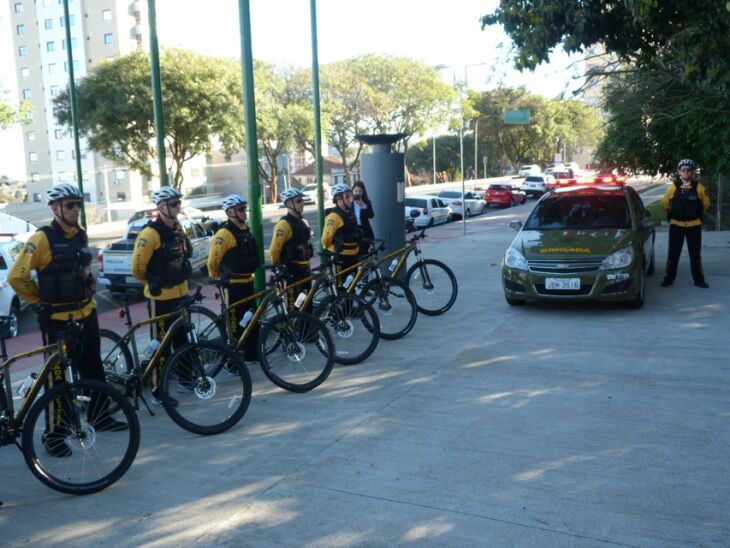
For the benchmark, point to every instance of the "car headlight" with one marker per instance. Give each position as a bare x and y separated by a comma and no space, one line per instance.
515,259
618,259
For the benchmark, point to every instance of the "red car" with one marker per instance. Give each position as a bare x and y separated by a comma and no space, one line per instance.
608,177
503,195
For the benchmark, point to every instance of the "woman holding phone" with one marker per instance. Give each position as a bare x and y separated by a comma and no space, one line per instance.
362,207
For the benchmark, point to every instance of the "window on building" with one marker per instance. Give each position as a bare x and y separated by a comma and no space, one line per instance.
55,90
48,24
52,68
106,15
20,29
18,7
36,196
73,43
33,156
119,174
29,115
108,38
31,136
23,51
121,196
76,65
71,18
58,133
51,46
27,94
35,177
25,72
60,155
63,177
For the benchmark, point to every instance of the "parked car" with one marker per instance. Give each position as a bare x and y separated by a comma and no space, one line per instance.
608,176
563,178
574,167
310,193
411,220
115,262
537,185
503,194
552,168
433,210
582,242
531,169
10,304
474,203
150,213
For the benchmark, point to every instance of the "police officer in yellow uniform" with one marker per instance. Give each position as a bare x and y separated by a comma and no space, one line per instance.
59,253
233,258
685,202
161,262
341,235
290,244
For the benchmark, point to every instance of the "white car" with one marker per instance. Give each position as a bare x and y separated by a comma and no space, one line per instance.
10,304
531,169
537,185
475,205
433,210
310,193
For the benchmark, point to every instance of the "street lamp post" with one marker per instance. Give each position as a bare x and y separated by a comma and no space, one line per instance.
434,158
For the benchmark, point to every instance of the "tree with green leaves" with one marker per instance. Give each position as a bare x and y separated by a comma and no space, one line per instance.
9,115
201,101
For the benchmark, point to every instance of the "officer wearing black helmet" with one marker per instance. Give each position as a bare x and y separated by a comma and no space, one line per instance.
685,202
59,254
161,261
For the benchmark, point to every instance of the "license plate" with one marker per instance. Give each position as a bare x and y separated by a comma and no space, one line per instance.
562,283
131,280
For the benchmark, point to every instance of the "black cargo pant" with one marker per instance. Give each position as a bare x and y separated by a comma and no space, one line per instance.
294,273
158,330
85,356
677,235
230,294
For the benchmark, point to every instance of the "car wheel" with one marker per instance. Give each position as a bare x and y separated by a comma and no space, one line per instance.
431,222
450,218
514,302
484,209
14,315
468,213
638,301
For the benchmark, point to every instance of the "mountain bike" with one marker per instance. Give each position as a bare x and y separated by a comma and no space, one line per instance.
69,437
295,349
204,386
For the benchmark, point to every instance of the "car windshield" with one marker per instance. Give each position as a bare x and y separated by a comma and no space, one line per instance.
499,187
574,212
415,202
563,175
309,187
449,194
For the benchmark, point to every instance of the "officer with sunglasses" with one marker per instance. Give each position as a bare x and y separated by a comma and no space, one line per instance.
233,259
161,261
290,244
60,256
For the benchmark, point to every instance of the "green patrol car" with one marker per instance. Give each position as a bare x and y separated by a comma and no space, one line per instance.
582,243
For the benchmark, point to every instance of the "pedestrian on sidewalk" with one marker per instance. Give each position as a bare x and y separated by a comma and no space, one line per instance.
362,207
685,202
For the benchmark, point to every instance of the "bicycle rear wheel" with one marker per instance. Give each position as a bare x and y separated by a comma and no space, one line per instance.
80,454
301,353
353,324
205,387
207,323
395,305
434,286
115,355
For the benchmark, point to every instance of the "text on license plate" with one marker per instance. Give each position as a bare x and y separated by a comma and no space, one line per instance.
130,280
562,283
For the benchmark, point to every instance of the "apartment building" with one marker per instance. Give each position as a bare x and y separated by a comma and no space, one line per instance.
100,30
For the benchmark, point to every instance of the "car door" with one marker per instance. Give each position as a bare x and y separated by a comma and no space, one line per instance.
201,243
442,210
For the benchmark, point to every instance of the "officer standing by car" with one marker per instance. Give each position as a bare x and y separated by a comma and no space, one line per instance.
685,202
233,259
161,261
341,235
60,255
290,244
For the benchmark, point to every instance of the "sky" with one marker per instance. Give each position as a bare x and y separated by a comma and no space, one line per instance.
444,33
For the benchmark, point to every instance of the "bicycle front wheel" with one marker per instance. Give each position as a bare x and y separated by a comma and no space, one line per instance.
434,286
395,305
115,355
353,324
205,387
73,442
296,351
207,324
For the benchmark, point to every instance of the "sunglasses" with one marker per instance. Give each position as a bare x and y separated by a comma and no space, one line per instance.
175,203
72,205
240,209
299,201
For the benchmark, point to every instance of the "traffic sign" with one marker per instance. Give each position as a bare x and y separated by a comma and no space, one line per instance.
517,117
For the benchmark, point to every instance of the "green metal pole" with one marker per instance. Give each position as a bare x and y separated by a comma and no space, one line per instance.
157,94
317,121
74,116
249,104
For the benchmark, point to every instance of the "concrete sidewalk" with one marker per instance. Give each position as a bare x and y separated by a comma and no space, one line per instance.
544,425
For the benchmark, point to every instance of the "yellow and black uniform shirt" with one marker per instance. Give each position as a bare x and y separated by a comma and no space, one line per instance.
701,195
340,227
284,237
36,255
148,241
223,242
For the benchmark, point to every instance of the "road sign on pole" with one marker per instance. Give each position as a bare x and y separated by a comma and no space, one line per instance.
517,116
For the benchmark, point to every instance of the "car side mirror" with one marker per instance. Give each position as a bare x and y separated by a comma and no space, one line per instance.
648,222
515,225
415,213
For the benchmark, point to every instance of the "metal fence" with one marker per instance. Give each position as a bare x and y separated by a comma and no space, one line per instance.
11,225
